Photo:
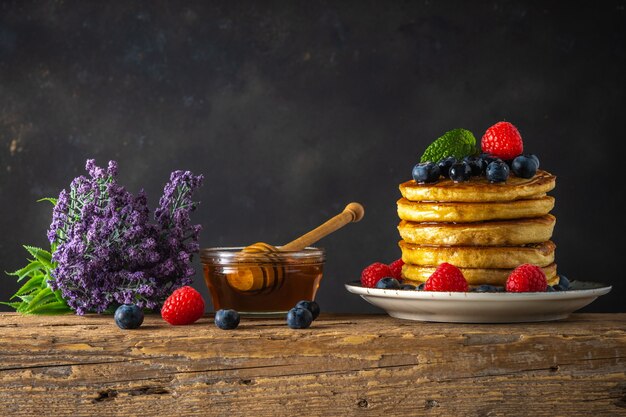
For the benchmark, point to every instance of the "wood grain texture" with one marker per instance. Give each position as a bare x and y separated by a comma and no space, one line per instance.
342,365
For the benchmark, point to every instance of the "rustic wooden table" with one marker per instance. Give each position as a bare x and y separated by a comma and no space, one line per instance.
342,365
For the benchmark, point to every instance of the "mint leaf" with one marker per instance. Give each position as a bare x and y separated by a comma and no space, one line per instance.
458,143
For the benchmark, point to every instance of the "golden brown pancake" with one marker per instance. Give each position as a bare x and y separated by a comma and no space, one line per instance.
489,233
415,275
541,254
473,212
479,189
485,229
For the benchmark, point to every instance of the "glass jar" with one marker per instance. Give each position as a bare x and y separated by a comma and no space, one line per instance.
261,283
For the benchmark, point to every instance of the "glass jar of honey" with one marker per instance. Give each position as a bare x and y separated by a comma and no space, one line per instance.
261,283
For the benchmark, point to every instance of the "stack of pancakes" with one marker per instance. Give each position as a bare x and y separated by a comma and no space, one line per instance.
485,229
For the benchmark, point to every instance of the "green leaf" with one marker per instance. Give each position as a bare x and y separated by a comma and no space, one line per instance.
41,255
59,296
54,307
44,281
26,298
16,305
30,285
27,270
50,199
458,143
35,294
25,303
43,301
41,297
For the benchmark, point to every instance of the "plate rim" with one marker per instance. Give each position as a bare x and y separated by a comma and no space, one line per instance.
476,296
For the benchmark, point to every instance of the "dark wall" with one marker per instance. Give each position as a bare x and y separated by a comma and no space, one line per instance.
293,109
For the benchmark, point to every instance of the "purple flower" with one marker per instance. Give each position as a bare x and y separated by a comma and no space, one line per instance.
107,249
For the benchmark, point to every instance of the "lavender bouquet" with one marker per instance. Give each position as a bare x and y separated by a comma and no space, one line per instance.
108,251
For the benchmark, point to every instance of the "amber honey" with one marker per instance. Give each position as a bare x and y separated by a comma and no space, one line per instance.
261,283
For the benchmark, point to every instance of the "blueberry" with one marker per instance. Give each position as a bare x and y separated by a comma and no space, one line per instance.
407,287
557,287
488,158
550,289
460,171
497,171
524,166
227,319
531,156
477,165
426,172
312,306
420,287
128,316
299,318
564,282
388,283
445,164
486,288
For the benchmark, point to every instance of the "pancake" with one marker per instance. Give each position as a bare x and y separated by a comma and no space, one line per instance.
415,275
473,212
541,254
479,189
491,233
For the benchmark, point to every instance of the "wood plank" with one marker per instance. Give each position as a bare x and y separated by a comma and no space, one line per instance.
342,365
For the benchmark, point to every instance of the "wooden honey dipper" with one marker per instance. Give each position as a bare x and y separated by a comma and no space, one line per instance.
262,278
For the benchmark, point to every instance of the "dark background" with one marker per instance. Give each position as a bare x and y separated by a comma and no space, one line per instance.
293,109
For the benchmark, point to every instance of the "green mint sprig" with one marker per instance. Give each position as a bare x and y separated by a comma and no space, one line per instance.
458,143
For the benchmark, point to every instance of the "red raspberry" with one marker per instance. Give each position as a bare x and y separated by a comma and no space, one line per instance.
396,268
526,278
374,273
502,140
183,306
446,277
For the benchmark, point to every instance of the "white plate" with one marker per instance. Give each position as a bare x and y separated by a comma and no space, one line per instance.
472,307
